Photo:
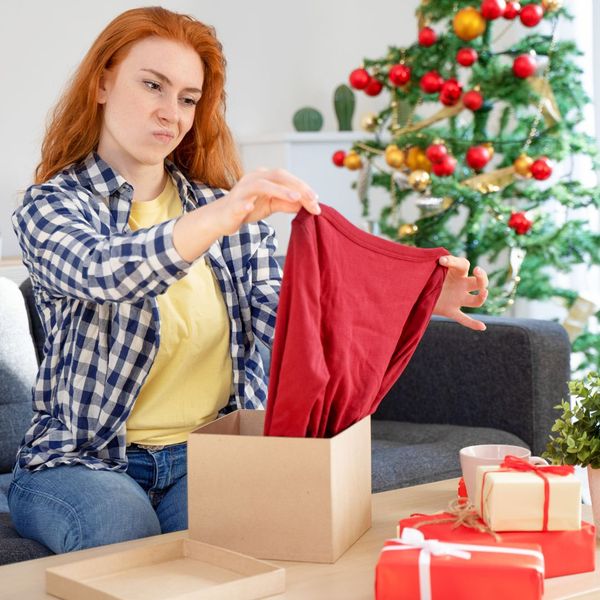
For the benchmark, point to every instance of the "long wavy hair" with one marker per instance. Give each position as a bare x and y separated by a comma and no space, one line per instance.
206,154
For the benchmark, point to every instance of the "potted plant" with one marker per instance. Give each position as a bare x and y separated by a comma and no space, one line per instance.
577,435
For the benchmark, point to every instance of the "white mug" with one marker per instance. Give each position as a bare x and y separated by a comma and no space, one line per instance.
472,457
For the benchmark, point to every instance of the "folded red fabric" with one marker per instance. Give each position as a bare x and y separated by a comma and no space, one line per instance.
352,309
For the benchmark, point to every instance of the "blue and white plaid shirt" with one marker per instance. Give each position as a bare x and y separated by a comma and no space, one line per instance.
95,284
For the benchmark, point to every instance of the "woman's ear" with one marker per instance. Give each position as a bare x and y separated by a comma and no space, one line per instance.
102,93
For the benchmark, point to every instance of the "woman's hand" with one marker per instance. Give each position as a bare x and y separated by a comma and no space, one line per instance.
457,289
261,193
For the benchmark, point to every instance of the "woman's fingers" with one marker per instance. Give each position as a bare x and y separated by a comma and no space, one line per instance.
481,277
469,322
308,197
475,300
459,263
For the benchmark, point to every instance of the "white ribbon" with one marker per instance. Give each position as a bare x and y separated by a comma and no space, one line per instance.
414,538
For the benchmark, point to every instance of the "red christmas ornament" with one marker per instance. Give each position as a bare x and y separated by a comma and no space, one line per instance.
338,158
541,168
492,9
445,167
436,152
399,74
531,15
427,37
520,223
374,87
473,100
477,157
512,10
359,78
431,82
450,92
524,65
466,56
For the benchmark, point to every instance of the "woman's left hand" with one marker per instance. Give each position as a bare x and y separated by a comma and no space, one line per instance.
456,291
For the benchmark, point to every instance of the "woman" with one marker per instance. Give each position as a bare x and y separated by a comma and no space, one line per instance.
151,280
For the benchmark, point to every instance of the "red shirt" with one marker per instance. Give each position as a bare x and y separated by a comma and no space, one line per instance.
352,309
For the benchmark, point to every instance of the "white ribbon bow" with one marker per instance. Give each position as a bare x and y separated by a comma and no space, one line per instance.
414,538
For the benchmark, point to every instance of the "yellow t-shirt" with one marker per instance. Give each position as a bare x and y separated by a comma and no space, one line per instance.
191,377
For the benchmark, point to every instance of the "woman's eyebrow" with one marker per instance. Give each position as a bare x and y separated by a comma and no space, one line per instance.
168,81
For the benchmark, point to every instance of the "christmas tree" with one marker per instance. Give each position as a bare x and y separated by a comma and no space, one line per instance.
480,167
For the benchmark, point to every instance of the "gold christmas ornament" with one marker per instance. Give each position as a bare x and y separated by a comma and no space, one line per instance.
468,24
419,180
369,122
493,181
551,5
523,164
407,230
364,182
395,158
444,113
548,104
490,148
577,318
353,161
429,205
416,159
447,203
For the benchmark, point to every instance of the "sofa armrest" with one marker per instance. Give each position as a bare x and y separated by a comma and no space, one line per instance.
509,377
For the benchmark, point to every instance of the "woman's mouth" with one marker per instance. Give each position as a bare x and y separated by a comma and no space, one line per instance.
163,136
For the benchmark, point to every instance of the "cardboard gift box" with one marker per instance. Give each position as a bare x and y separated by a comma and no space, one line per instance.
565,552
412,567
170,570
281,498
510,500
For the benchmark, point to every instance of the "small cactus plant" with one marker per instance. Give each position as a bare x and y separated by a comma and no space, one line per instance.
308,119
344,101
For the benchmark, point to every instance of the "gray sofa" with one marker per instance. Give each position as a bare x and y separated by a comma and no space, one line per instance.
460,388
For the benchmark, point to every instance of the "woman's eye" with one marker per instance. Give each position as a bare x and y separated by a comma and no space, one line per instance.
153,85
189,101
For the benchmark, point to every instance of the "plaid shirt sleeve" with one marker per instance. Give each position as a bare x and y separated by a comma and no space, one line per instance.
266,277
69,252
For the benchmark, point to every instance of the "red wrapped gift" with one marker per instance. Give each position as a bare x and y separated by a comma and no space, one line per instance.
412,567
565,552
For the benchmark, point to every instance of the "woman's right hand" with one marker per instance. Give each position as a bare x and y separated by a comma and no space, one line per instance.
259,194
255,196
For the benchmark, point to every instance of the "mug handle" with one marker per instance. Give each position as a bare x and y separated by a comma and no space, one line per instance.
538,460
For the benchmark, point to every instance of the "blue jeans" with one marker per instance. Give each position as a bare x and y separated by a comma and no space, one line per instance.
72,507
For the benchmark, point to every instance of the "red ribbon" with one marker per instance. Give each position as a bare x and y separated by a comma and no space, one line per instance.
514,463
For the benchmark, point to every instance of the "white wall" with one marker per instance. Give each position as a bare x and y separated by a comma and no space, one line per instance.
282,55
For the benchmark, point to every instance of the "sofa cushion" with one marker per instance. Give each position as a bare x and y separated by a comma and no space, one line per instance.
35,323
18,371
14,548
5,479
406,454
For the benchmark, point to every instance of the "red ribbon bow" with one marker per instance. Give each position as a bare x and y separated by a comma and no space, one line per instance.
514,463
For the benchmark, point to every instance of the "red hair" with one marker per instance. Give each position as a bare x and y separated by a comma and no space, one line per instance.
206,154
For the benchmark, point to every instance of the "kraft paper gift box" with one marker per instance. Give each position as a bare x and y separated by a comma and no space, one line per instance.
565,552
412,567
510,500
281,498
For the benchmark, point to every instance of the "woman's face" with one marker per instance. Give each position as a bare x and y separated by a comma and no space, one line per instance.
149,103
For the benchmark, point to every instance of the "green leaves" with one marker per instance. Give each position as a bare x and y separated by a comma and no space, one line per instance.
577,430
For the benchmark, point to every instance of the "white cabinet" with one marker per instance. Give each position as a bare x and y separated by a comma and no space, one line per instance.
308,156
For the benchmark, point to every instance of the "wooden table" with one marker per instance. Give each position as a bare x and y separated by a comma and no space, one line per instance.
350,578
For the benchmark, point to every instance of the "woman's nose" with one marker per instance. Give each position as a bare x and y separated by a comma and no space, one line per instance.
168,108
